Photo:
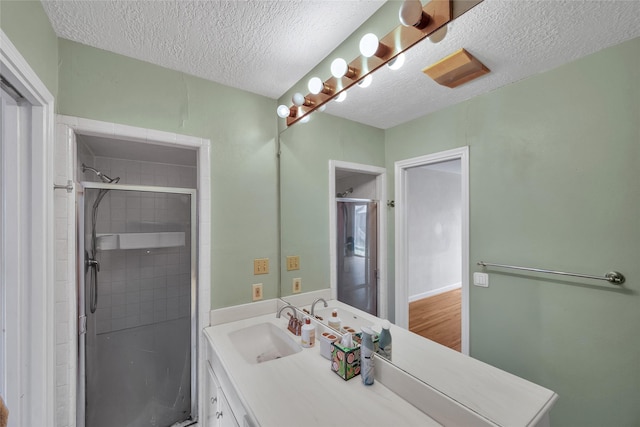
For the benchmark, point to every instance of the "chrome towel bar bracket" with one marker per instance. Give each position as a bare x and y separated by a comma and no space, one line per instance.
68,187
612,277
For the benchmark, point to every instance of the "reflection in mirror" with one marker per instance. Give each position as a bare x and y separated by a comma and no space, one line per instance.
527,205
305,153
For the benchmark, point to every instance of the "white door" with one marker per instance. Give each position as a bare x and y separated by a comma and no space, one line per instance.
432,243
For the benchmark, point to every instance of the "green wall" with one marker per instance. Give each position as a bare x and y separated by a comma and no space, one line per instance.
99,85
554,183
305,151
27,26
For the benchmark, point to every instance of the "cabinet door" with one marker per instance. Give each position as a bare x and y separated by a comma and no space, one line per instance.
211,403
225,415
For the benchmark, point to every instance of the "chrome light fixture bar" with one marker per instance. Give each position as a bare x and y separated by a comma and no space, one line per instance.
434,16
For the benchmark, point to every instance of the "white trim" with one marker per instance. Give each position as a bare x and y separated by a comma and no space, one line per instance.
37,335
434,292
381,195
75,125
401,261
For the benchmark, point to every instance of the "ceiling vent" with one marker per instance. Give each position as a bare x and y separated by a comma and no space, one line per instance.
456,69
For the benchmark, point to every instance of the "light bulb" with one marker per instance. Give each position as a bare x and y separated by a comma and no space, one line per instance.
342,96
365,82
283,111
305,119
397,62
315,85
369,45
298,99
410,13
339,68
321,108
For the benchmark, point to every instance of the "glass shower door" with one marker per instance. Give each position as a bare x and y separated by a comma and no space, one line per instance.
357,240
138,348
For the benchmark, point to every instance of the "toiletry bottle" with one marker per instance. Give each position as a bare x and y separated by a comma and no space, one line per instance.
308,334
384,343
334,321
367,364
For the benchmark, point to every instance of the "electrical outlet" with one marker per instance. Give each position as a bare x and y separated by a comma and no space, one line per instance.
297,285
257,292
293,263
261,266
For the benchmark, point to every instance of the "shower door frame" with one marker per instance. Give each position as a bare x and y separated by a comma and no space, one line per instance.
376,275
80,233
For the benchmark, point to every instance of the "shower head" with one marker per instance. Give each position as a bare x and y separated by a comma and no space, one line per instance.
346,192
104,178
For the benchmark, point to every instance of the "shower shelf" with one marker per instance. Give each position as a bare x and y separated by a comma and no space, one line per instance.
107,242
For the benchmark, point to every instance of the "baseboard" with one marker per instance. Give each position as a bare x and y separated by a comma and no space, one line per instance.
434,292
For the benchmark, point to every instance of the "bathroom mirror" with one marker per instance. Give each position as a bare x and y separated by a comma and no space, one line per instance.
306,149
305,152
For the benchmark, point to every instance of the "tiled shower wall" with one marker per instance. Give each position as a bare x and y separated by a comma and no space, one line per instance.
141,286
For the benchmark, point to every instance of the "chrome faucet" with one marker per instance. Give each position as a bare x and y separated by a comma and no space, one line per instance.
313,306
293,310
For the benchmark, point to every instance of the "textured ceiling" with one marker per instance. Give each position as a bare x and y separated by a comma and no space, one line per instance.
260,46
265,47
513,38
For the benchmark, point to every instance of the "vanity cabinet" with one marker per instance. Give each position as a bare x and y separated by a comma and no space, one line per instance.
217,412
223,407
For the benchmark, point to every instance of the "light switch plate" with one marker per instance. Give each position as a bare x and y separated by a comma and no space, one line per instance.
293,263
481,279
261,266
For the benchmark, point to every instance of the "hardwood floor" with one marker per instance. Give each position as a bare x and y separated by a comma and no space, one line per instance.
438,318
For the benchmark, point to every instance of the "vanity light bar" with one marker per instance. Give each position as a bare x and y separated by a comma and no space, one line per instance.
398,41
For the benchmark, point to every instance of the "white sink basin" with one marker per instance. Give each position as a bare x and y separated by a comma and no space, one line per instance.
347,318
263,342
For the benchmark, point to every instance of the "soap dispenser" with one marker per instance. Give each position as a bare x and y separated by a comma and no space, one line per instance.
308,336
367,364
384,342
334,321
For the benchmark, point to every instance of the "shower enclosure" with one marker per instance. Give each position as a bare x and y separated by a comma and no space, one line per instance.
137,305
357,240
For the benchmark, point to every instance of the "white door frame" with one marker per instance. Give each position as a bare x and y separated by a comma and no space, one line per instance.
401,239
381,195
28,297
68,128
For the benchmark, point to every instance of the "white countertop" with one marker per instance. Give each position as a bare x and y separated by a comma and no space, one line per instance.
498,396
301,390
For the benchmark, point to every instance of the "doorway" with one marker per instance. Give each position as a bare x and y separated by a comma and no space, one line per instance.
137,292
357,236
27,343
432,247
129,152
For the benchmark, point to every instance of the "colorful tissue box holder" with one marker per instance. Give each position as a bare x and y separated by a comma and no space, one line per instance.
345,361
